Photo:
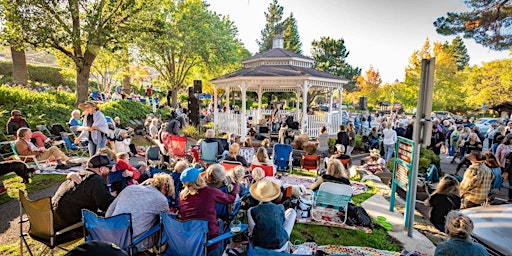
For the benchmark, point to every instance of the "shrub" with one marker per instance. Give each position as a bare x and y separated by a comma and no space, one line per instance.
359,143
38,73
427,157
332,144
191,131
126,110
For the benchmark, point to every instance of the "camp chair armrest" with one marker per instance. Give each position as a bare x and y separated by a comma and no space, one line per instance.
226,235
66,229
23,220
27,157
151,231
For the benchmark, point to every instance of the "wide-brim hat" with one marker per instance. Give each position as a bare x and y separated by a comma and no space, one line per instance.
374,152
87,103
265,190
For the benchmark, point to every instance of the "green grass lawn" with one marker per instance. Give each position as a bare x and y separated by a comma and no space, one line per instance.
39,181
36,247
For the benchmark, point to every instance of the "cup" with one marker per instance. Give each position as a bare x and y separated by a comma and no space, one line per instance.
236,226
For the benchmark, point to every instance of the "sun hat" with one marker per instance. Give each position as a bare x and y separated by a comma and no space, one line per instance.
374,152
100,160
82,106
190,174
265,190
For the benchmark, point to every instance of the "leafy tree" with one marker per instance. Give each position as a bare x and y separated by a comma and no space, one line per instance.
78,29
490,83
458,50
369,86
291,35
489,23
11,35
330,56
409,93
188,37
273,26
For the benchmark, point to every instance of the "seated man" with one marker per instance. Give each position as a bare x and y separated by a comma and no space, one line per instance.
150,199
25,147
90,192
210,134
16,122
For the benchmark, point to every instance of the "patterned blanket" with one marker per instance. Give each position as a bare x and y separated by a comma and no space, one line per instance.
330,217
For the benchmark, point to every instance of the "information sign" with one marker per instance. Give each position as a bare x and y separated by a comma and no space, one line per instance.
402,169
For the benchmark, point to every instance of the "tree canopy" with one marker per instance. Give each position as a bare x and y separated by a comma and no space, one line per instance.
489,23
276,26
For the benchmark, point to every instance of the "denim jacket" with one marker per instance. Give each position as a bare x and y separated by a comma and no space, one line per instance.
269,232
457,246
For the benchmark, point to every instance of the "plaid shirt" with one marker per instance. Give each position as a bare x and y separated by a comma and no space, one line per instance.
476,184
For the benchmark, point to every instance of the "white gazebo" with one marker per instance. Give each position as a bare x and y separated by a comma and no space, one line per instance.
277,70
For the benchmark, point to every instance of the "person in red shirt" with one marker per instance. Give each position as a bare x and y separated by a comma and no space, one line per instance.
149,91
123,174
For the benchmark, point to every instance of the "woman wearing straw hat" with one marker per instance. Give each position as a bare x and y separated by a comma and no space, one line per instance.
269,224
96,127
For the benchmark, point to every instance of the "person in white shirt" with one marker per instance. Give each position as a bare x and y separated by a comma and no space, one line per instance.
389,141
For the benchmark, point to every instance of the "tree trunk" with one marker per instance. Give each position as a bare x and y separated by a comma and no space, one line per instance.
127,89
82,83
175,99
19,67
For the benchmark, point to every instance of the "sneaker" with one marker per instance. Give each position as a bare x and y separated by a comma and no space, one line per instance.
3,191
72,164
62,167
57,143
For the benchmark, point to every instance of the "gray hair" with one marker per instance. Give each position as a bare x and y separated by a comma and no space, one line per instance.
22,132
181,166
458,225
216,172
76,111
210,133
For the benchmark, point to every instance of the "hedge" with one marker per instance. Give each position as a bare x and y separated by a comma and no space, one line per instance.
44,74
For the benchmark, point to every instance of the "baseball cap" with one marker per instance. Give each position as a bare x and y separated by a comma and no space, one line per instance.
190,174
99,161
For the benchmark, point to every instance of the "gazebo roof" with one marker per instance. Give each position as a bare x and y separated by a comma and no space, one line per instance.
277,53
279,71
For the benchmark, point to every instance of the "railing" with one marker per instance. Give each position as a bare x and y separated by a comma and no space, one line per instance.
315,122
230,123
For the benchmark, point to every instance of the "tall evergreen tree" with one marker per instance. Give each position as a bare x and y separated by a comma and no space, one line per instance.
291,35
330,56
458,50
273,26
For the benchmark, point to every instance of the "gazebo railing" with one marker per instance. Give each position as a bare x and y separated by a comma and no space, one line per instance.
230,123
331,121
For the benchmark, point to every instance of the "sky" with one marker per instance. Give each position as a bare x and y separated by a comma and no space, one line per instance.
378,33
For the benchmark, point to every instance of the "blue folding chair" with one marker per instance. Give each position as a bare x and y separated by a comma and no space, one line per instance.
185,238
283,157
143,101
209,152
116,229
150,101
70,147
153,156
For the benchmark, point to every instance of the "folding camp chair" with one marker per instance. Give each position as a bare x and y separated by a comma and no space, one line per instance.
283,157
185,238
333,194
116,229
44,130
56,129
268,169
29,160
70,147
153,156
176,147
247,153
310,162
40,216
228,165
209,152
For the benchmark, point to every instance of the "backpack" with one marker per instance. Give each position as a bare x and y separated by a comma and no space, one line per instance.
432,174
357,216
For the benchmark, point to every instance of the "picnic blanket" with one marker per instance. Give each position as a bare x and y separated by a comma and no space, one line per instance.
355,250
357,187
51,169
329,217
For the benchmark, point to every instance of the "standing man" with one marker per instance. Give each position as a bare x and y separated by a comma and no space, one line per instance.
476,184
274,118
89,192
389,141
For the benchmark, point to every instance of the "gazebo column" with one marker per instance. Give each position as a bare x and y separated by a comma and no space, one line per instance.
260,96
297,108
331,91
340,97
228,90
243,122
215,109
304,121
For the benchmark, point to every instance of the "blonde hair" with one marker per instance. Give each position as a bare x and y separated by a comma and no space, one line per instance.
458,225
234,149
448,185
162,180
265,142
336,169
247,142
262,155
257,174
192,188
121,155
108,152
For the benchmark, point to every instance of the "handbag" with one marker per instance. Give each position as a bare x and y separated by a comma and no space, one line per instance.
304,207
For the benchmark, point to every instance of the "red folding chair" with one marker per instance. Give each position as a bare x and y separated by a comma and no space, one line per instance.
268,169
310,162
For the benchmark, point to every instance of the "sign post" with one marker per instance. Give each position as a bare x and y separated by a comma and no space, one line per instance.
402,172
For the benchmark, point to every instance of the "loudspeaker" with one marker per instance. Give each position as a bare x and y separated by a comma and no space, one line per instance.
198,86
191,92
193,108
363,103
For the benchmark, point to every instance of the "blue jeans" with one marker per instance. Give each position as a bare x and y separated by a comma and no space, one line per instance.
275,126
451,150
93,148
374,143
388,151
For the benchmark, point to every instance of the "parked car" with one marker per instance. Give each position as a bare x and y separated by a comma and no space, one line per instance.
484,124
493,227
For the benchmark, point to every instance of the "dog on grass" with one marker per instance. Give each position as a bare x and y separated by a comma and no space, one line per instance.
18,167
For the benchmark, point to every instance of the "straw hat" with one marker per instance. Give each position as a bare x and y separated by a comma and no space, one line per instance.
265,190
86,104
374,152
